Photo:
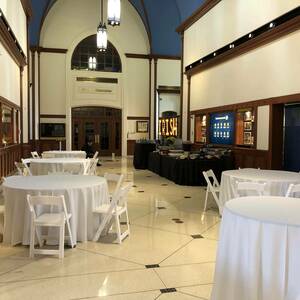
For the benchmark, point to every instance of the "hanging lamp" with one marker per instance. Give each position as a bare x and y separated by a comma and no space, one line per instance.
102,33
114,12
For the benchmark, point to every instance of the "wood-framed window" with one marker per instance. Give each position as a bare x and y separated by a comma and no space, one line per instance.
9,124
201,129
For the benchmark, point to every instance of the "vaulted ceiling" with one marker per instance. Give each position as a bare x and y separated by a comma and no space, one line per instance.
160,17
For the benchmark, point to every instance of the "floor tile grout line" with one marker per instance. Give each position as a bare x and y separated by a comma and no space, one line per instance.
68,276
194,296
13,270
181,247
159,278
187,264
113,257
194,285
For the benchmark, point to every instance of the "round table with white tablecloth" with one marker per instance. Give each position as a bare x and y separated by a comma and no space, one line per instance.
43,166
82,195
64,154
258,253
277,182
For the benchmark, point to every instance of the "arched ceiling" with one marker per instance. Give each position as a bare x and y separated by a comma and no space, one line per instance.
160,17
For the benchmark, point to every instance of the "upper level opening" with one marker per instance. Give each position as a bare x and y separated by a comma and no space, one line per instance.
87,57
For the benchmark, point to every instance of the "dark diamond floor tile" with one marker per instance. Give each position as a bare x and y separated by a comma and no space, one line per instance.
152,266
161,207
168,290
197,236
179,222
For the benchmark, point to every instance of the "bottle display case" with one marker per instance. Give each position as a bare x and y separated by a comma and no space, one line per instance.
201,129
245,127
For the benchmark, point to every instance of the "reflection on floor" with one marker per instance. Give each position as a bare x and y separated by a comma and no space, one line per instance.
170,253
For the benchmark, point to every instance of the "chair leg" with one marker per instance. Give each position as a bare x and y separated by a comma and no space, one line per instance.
61,241
206,198
127,220
32,235
70,234
38,237
117,219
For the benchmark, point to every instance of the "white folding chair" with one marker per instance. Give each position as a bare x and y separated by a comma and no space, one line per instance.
2,207
117,179
24,162
96,155
34,154
115,208
293,188
57,219
20,168
240,188
212,187
92,167
87,166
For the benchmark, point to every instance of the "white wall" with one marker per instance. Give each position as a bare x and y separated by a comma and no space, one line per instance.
15,15
268,71
53,83
169,102
263,116
229,20
168,72
9,77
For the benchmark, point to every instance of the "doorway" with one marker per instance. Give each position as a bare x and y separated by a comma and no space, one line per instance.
102,126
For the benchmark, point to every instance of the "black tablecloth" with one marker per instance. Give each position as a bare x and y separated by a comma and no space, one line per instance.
187,171
141,152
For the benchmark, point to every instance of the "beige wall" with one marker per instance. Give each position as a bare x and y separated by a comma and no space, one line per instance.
229,20
15,15
268,71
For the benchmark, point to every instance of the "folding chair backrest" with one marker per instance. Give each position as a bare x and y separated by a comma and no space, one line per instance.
2,180
59,173
92,166
34,154
118,179
210,174
250,186
58,201
124,193
87,167
20,167
293,188
95,155
24,162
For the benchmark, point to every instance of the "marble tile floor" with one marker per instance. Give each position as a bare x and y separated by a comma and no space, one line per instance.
170,253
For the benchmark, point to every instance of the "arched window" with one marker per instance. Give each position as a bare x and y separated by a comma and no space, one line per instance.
86,57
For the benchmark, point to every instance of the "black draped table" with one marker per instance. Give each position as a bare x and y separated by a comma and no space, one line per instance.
187,171
141,153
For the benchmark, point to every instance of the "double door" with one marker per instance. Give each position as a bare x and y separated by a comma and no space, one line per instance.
103,134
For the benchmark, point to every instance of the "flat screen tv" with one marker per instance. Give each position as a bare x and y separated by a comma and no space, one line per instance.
53,130
222,128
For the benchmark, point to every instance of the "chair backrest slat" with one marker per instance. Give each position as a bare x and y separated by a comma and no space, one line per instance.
249,186
293,188
24,162
117,178
34,154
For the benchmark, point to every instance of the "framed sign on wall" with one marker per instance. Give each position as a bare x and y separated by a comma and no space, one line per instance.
141,126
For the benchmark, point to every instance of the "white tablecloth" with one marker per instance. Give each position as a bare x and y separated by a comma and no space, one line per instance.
258,254
42,166
277,182
64,154
82,195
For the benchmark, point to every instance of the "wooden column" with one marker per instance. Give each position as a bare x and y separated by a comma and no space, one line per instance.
33,98
189,109
21,106
154,95
181,84
150,95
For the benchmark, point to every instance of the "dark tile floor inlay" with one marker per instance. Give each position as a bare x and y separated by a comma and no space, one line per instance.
187,197
134,186
179,222
175,219
168,290
161,207
152,266
124,223
197,236
141,191
164,184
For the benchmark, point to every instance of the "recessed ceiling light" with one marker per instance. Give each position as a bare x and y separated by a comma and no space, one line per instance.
250,35
215,54
201,61
271,25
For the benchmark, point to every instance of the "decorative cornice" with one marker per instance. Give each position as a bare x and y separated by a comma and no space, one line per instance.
53,116
138,118
265,34
199,13
10,42
168,89
27,8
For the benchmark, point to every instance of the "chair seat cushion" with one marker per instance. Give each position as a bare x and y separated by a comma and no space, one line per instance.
51,219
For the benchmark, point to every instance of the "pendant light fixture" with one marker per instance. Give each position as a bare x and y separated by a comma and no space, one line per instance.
114,12
102,33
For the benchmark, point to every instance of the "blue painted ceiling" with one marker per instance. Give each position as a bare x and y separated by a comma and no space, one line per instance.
161,18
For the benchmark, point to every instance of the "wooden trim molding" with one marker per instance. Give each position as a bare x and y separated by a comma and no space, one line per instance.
27,8
138,118
199,13
168,89
150,96
188,109
154,97
49,50
152,56
181,84
265,34
293,98
52,116
9,103
10,42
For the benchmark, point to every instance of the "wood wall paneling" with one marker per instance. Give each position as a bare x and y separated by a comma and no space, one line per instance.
130,147
8,156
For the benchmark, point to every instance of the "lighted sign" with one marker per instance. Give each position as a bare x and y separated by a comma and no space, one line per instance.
222,128
168,126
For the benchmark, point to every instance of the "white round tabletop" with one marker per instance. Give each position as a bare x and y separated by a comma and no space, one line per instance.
269,209
56,160
263,175
50,182
65,151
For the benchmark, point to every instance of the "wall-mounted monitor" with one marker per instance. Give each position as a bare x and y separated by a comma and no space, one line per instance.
221,128
53,130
